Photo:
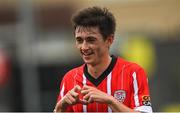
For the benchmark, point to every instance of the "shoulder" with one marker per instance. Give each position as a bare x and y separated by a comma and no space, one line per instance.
133,71
71,73
128,64
129,68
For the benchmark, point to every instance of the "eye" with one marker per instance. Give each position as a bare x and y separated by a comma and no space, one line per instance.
91,39
79,40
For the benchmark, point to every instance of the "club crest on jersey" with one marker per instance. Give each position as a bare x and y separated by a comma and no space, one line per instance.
120,95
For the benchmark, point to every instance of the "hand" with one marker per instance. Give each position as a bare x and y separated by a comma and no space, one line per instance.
71,98
92,94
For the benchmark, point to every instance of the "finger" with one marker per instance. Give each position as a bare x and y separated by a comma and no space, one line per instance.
71,98
66,99
84,92
76,88
85,87
86,97
91,99
73,94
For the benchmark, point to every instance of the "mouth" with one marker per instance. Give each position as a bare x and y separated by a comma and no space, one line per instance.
86,53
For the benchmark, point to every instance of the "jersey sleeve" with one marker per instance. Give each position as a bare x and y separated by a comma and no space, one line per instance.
63,90
140,97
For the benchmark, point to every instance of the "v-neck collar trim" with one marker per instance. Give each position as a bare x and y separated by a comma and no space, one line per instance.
97,81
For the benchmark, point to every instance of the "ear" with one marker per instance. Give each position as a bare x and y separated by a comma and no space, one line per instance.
110,40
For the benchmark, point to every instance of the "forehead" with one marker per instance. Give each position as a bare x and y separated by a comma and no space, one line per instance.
86,30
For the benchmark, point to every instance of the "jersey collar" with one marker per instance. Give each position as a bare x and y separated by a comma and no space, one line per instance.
98,80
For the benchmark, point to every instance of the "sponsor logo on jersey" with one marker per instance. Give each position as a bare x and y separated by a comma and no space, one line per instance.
120,95
146,100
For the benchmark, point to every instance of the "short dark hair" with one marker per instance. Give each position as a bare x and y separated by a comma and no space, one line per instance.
96,16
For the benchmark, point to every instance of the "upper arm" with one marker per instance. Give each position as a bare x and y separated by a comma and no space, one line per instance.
140,99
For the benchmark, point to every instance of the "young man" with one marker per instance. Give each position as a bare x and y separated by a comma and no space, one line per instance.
104,83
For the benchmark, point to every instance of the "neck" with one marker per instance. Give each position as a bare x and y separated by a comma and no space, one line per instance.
97,70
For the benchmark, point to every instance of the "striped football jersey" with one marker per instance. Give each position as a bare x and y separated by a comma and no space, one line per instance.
125,81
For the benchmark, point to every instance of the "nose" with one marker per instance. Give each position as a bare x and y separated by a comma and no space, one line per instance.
85,46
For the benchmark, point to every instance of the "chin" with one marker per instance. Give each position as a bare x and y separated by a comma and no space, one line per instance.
92,63
88,61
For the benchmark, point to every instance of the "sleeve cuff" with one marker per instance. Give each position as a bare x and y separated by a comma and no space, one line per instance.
146,109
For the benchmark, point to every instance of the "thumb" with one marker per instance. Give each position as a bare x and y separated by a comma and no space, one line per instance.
76,88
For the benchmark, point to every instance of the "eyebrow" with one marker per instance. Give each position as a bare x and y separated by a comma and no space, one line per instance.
86,30
89,32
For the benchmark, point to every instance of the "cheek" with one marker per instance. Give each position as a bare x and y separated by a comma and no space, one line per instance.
99,49
78,46
102,49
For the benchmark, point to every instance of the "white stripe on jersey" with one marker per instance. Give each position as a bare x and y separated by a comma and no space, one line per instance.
135,85
109,88
84,83
62,91
109,84
84,80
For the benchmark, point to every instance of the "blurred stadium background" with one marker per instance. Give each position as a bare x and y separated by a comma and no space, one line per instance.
37,48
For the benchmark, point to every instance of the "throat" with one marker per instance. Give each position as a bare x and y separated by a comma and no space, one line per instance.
96,71
95,74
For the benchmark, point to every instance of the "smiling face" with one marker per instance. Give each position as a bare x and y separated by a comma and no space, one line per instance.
93,48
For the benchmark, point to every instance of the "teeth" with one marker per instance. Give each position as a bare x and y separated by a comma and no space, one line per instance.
86,54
